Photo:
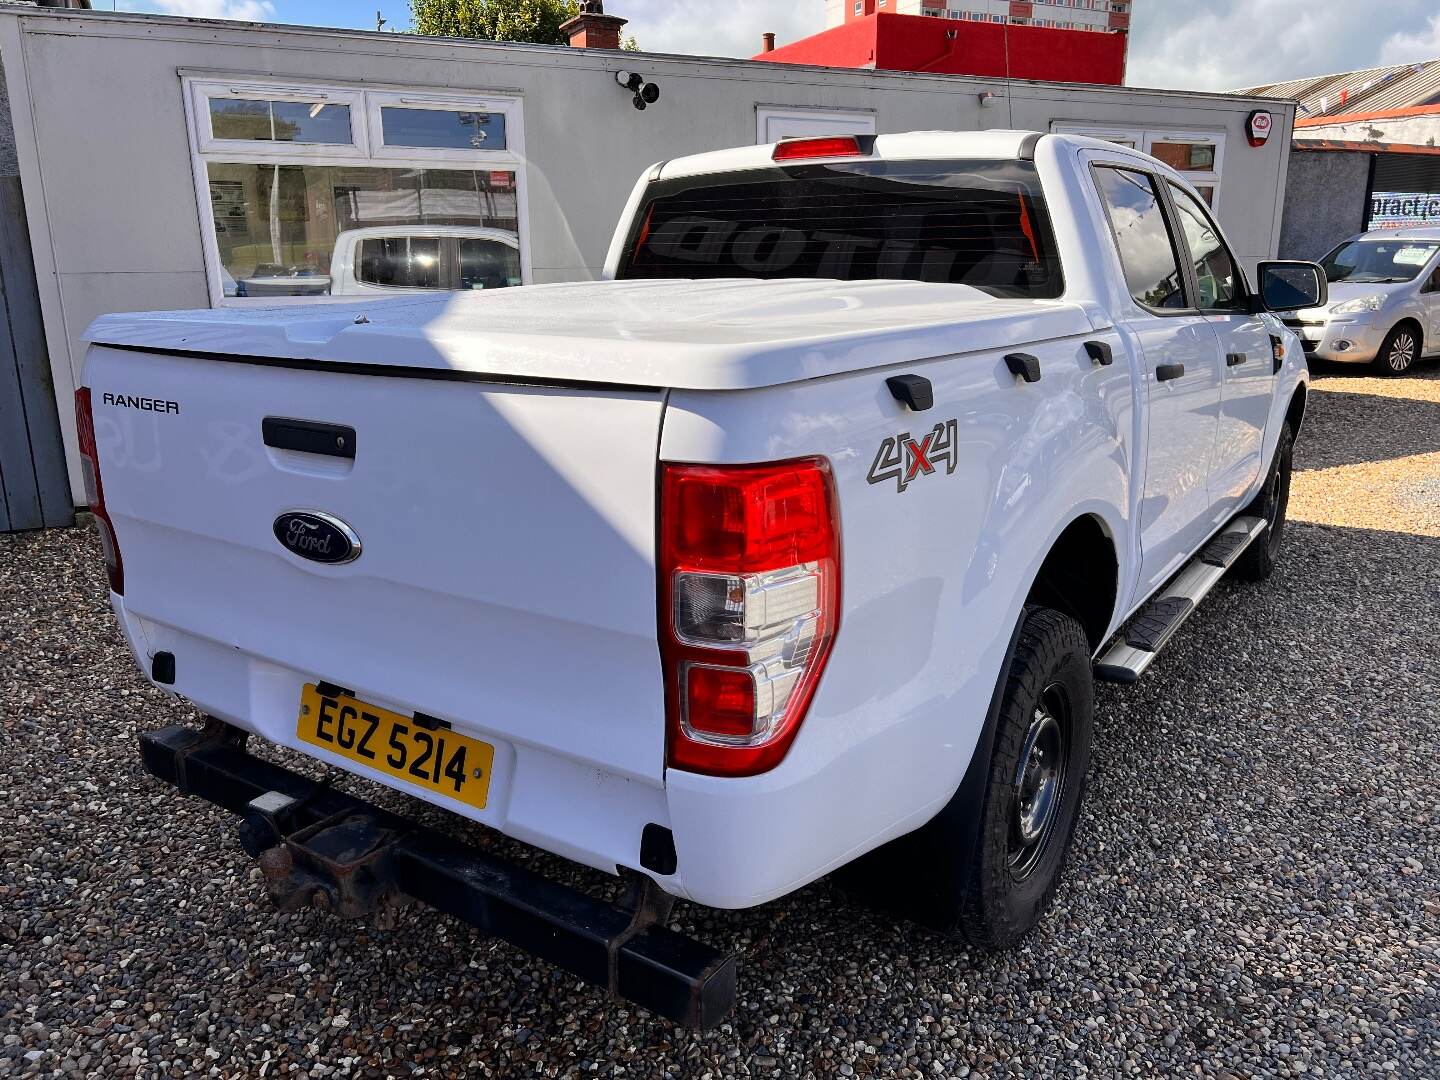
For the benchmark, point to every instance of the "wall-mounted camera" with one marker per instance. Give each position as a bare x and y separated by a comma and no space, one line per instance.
645,93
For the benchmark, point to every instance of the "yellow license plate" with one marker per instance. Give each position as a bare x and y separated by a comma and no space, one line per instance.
436,759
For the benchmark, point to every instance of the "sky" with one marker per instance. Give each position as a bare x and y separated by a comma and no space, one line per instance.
1180,44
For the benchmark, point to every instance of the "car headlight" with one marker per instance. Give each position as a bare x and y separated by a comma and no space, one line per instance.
1359,305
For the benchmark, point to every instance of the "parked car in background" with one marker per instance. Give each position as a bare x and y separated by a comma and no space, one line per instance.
423,257
1384,301
799,541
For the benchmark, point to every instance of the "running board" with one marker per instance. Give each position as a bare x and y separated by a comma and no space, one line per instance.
1155,623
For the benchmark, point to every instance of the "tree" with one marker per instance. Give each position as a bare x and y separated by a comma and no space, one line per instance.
534,21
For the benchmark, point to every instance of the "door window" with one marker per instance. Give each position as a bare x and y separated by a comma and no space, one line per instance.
1217,275
405,262
1147,251
488,264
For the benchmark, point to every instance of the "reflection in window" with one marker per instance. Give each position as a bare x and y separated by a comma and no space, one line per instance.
1151,269
488,264
279,227
248,120
1215,271
1185,156
405,262
442,129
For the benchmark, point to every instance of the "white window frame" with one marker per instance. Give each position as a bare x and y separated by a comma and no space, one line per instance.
1144,140
366,150
205,142
862,120
377,100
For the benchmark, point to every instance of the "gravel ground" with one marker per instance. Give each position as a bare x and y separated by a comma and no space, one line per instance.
1253,890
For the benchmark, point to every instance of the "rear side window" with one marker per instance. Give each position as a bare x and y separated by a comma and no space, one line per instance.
980,223
405,262
488,264
1147,251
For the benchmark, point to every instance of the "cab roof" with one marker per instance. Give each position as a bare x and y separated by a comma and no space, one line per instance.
993,145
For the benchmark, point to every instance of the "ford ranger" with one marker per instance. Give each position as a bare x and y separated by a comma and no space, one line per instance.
792,546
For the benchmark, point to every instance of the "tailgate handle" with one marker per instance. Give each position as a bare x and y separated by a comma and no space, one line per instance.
309,436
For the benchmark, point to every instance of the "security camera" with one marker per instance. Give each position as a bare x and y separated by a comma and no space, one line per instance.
650,92
630,80
639,102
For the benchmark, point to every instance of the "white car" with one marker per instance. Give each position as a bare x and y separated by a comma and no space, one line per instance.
794,546
406,258
1384,301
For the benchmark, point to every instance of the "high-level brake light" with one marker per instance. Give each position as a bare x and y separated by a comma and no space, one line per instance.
749,603
823,146
95,491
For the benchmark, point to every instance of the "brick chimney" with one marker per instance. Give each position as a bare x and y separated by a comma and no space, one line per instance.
767,42
592,28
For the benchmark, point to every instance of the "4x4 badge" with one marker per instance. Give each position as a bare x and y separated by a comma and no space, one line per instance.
904,460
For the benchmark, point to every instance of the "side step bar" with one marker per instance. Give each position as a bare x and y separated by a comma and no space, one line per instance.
1154,624
321,847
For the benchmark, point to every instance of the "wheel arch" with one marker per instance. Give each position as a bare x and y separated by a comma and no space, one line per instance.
1089,596
1414,323
1295,411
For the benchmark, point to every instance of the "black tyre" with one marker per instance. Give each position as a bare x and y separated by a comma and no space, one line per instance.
986,867
1258,560
1400,349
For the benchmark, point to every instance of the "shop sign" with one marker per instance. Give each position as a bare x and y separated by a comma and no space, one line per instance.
1397,209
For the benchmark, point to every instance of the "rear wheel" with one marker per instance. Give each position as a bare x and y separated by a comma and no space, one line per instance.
988,865
1400,349
1258,560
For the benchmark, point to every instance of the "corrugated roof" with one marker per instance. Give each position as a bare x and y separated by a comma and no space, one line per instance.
1371,90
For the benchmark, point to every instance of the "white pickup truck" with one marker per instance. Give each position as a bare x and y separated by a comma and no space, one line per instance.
797,540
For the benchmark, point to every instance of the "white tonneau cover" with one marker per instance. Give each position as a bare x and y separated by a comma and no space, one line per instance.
701,335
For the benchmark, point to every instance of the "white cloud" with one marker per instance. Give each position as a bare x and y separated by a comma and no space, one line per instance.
707,28
1228,44
244,10
1410,48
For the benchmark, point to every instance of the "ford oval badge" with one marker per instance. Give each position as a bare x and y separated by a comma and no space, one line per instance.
318,537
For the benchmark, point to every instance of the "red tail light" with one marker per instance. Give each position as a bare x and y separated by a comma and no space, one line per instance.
827,146
749,604
95,491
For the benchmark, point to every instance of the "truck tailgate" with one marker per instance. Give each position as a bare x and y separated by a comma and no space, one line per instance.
506,583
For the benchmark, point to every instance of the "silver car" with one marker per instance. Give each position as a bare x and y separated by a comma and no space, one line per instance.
1384,306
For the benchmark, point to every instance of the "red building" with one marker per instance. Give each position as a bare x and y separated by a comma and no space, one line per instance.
1016,40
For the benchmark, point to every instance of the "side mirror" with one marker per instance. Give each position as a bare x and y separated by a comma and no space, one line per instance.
1287,285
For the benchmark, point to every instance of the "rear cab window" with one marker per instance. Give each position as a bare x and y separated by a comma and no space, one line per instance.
978,223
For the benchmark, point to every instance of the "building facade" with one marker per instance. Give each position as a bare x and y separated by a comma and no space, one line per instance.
1367,154
1091,15
184,163
1058,40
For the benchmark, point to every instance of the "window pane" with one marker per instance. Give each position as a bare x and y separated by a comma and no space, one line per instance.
291,230
488,264
985,226
280,121
443,129
1215,270
1151,269
1185,156
407,262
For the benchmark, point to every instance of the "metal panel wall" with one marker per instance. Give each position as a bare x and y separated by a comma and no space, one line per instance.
34,488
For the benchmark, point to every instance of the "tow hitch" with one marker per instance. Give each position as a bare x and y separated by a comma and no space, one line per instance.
320,847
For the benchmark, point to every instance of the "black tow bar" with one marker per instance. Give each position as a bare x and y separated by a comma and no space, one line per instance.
321,847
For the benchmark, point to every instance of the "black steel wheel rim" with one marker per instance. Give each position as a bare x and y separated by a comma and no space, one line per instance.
1040,782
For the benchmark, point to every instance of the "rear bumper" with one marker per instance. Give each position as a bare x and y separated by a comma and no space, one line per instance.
637,960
